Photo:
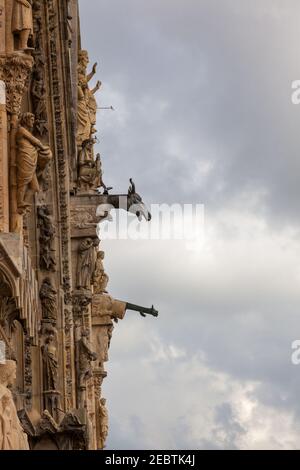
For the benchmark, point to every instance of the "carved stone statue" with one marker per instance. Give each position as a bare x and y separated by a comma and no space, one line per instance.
22,23
86,262
12,436
103,422
89,169
83,118
47,233
92,105
38,93
102,286
29,149
50,361
100,278
86,105
85,357
132,202
99,270
99,182
48,296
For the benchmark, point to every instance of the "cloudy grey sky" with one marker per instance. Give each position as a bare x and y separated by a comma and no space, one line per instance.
202,91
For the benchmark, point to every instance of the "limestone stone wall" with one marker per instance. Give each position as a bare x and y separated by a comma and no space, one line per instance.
56,316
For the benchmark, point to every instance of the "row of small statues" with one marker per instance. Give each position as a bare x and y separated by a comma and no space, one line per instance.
89,168
90,270
86,105
22,22
33,155
12,435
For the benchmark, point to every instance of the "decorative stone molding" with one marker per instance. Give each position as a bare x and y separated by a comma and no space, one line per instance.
84,217
52,21
15,71
46,239
81,299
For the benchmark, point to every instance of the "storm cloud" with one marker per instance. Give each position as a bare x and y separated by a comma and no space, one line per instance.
203,114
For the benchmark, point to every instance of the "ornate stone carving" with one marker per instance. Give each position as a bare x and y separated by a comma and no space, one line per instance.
103,415
101,285
8,313
38,82
69,28
105,309
48,296
86,105
81,299
50,360
46,238
28,371
50,369
100,278
85,357
12,436
132,202
84,217
38,93
86,262
22,25
89,169
102,334
47,423
59,132
31,153
15,70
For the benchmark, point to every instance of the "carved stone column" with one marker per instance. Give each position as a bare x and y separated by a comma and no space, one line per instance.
4,215
2,26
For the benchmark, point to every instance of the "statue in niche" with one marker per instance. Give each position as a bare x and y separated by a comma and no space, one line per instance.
87,173
86,356
47,233
12,436
38,93
92,105
22,22
50,361
103,415
101,286
31,152
86,105
48,296
83,119
100,278
86,262
90,170
99,181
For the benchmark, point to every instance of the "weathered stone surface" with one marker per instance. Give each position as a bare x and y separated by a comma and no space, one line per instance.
12,435
56,316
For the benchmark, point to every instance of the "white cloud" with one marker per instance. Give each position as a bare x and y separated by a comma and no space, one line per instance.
203,114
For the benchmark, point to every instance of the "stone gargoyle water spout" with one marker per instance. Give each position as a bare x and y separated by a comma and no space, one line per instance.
130,202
